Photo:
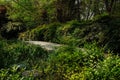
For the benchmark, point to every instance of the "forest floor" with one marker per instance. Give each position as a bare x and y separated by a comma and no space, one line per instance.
49,46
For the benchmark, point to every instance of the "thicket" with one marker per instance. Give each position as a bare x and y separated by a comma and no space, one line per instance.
17,52
71,22
19,60
87,63
25,61
103,29
84,26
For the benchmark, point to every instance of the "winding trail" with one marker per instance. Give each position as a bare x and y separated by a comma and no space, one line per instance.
46,45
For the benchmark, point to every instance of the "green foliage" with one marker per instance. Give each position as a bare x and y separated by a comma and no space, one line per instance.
101,17
25,61
45,32
89,21
23,11
68,61
20,59
31,13
56,32
73,32
107,69
104,30
17,52
9,74
11,30
86,63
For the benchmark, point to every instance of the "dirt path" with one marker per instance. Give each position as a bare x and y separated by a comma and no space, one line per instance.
46,45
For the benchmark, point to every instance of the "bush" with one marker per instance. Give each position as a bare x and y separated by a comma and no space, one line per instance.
11,30
102,18
44,32
104,30
86,63
20,60
67,61
18,52
107,69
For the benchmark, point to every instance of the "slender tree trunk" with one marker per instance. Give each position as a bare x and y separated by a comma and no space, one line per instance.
96,7
78,10
88,10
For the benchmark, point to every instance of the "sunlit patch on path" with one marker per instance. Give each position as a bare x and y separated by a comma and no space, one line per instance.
46,45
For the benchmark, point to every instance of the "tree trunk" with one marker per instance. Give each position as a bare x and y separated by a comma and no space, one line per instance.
109,5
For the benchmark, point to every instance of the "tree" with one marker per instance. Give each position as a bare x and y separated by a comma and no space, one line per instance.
65,10
110,5
3,18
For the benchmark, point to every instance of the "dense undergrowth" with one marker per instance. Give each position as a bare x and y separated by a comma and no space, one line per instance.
23,61
102,29
88,29
18,57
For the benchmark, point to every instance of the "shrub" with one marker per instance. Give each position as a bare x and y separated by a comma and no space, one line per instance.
67,61
107,69
17,52
44,32
104,30
21,60
86,63
11,30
